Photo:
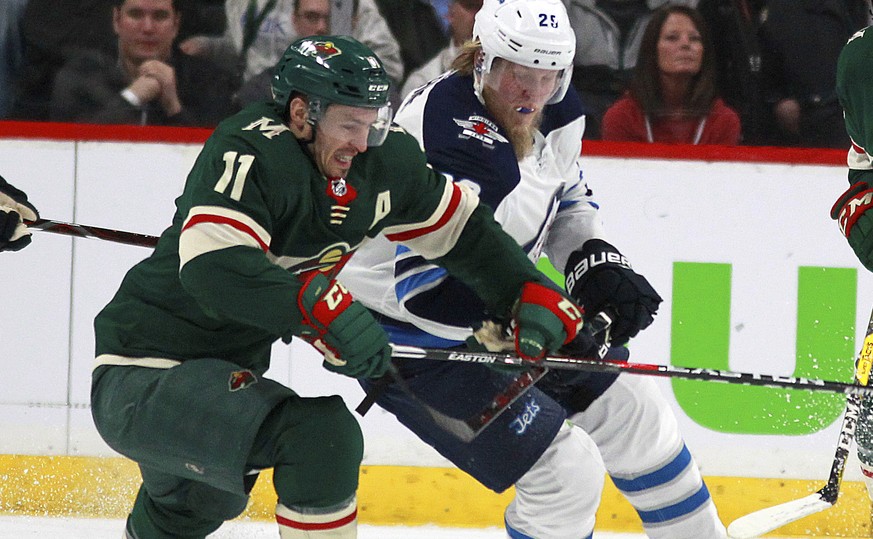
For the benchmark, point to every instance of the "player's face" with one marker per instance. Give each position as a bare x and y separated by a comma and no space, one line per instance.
680,47
146,29
341,135
519,90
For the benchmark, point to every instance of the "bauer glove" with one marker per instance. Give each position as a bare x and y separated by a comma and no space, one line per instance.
545,319
342,329
14,210
601,279
856,223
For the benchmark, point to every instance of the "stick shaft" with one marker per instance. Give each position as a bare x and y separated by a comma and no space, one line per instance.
87,231
671,371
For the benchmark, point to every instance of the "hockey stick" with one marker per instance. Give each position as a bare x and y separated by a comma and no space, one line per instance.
86,231
601,323
669,371
467,429
771,518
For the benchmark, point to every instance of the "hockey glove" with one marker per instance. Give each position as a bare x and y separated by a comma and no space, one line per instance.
545,319
342,329
601,279
14,210
856,223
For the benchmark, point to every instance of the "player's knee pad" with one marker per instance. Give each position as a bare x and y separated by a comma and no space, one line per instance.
632,425
336,522
317,448
559,495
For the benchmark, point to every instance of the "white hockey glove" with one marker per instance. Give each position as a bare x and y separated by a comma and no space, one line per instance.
14,234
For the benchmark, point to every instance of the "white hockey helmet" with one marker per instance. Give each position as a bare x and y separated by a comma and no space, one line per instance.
531,33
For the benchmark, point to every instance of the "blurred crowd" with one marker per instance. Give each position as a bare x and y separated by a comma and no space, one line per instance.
755,72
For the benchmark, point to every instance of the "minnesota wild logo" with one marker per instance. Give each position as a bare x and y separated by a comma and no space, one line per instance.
241,380
321,49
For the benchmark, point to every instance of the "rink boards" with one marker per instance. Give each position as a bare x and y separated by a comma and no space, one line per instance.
754,274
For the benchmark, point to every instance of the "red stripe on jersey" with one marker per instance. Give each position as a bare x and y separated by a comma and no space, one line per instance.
858,148
450,211
218,219
317,525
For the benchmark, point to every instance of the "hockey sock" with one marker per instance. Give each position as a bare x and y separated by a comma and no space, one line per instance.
338,522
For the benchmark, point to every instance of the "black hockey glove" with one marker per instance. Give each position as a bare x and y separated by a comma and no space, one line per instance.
14,210
856,223
601,279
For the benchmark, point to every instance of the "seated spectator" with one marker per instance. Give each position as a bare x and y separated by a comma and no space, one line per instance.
11,51
259,31
672,98
309,18
608,34
461,15
148,81
800,43
55,30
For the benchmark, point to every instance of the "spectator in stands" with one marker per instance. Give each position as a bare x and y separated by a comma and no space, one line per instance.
11,51
259,31
56,30
800,43
461,15
608,34
148,81
309,18
672,98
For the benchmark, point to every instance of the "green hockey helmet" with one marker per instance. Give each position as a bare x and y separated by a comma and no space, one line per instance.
334,70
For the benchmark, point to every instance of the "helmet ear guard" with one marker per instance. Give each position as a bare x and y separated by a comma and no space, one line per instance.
531,33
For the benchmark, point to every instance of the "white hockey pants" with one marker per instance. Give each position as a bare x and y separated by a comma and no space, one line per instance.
637,437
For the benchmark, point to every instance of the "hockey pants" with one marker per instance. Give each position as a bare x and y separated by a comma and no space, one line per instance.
634,431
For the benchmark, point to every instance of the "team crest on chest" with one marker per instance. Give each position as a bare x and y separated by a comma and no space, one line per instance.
343,193
479,128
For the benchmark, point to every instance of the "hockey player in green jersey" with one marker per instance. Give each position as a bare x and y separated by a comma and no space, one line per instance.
852,208
280,197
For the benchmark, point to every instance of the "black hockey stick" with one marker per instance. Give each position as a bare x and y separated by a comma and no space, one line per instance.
669,371
467,429
86,231
600,324
771,518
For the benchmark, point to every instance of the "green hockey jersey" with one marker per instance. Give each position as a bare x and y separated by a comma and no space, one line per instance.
256,214
856,96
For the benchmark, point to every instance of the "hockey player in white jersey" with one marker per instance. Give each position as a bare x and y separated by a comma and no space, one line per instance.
507,124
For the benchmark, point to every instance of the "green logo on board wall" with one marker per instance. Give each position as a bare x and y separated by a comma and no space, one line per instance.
700,337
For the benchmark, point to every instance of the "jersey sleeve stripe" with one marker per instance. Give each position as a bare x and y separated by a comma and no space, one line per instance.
447,207
858,158
210,228
436,236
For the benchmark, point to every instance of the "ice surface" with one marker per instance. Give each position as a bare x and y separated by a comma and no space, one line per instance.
25,527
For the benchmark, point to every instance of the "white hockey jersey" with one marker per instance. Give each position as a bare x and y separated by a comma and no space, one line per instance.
542,201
